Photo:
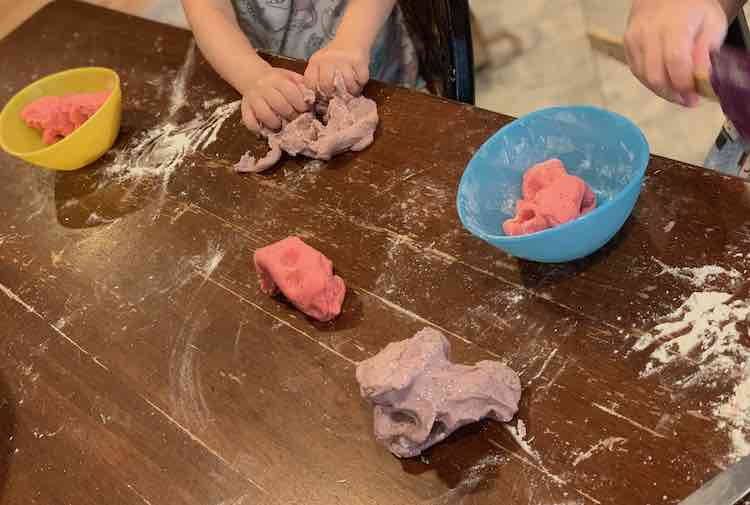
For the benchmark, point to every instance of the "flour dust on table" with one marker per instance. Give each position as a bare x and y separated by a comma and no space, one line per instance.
159,151
709,332
699,276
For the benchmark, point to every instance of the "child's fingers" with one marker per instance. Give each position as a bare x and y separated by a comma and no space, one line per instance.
634,53
326,79
653,72
248,117
293,76
293,95
279,103
251,122
265,115
362,73
350,79
312,76
678,61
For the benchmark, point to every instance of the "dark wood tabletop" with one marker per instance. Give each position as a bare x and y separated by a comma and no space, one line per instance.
140,364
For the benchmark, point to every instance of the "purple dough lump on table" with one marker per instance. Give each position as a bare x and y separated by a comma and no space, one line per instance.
420,397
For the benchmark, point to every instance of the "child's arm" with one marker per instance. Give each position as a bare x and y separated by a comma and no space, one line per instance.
349,52
268,94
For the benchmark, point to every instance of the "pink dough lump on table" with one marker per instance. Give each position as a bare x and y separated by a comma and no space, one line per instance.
59,116
303,275
551,197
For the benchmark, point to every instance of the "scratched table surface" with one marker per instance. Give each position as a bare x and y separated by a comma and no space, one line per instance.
139,362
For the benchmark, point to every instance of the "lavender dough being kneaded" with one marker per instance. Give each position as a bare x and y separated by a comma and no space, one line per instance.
420,397
348,125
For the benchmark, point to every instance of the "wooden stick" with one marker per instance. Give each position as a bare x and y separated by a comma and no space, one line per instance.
612,46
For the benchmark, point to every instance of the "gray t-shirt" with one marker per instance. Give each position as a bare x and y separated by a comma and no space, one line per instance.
298,28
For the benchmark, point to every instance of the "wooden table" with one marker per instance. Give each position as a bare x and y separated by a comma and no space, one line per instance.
140,363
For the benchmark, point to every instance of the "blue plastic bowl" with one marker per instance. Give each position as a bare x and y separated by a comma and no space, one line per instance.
605,149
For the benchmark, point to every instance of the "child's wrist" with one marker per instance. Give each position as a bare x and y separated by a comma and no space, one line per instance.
257,66
255,69
352,42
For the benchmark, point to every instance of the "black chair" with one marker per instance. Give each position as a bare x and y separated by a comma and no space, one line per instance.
442,31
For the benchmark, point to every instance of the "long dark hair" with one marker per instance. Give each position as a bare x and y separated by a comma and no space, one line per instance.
422,18
441,32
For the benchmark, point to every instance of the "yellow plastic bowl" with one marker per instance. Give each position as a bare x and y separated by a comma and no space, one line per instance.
87,143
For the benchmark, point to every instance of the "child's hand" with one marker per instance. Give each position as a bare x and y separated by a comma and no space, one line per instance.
348,60
668,42
274,96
